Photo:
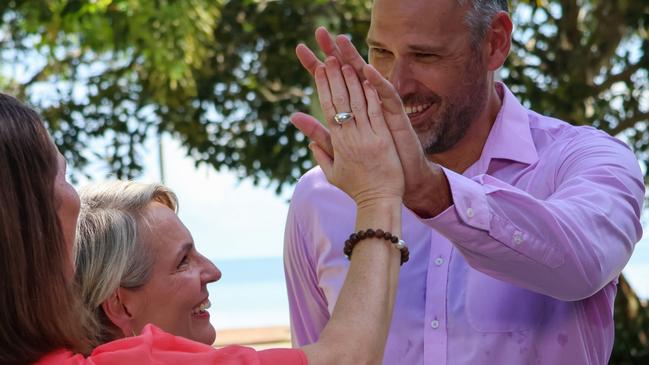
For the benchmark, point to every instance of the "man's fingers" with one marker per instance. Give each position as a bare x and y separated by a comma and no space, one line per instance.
326,43
314,131
307,58
389,95
350,55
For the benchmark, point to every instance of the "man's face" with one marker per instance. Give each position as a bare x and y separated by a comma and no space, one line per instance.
423,47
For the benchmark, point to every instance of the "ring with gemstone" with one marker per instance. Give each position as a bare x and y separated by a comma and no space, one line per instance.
341,118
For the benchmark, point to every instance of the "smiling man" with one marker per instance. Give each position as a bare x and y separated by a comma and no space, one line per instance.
518,224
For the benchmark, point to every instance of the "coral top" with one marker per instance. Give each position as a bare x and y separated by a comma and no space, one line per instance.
155,346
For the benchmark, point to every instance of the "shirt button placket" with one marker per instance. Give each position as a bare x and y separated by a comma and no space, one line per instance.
435,336
434,324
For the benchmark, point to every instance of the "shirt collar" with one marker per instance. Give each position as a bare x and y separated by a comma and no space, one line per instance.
510,137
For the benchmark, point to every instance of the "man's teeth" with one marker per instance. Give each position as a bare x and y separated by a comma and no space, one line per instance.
202,307
411,109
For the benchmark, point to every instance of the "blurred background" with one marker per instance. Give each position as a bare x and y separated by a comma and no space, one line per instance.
197,94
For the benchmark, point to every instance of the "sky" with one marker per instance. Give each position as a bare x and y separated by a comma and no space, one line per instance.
228,218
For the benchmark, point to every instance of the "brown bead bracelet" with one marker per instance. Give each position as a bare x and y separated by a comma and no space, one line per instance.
356,237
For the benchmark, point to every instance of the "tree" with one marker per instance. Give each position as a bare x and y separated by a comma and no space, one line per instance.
631,327
586,62
221,76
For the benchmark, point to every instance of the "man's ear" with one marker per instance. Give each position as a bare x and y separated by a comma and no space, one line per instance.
498,40
118,312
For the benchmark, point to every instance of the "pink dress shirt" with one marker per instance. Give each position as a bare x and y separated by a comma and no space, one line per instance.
522,269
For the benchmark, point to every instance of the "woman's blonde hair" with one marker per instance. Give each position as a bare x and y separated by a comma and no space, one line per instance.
108,252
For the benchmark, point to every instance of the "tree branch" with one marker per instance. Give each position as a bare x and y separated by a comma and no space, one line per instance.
622,76
607,32
629,122
54,67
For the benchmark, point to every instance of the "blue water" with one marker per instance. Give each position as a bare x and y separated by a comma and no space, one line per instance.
251,293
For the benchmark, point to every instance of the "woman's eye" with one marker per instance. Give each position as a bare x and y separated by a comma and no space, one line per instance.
183,262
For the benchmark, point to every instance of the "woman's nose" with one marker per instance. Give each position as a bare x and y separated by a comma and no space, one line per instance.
210,273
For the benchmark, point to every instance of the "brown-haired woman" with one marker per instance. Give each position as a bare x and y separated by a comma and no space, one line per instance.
42,322
39,311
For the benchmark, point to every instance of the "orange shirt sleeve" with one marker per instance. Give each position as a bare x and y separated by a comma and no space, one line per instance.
155,346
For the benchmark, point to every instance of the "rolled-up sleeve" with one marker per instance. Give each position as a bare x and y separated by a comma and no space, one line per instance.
567,245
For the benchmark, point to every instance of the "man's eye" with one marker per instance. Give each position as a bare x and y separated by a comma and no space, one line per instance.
425,55
379,51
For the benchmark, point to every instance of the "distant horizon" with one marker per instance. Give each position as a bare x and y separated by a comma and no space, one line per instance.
233,220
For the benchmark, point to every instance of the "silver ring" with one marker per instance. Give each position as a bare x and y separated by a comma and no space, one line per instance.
341,118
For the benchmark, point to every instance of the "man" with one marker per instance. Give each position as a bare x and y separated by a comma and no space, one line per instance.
518,224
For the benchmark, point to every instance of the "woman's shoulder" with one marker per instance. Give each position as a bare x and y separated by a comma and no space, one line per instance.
61,357
155,346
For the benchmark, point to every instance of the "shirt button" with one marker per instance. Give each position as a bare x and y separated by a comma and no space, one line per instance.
434,324
439,261
469,212
518,237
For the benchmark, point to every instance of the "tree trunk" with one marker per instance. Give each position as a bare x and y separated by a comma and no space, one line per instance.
631,327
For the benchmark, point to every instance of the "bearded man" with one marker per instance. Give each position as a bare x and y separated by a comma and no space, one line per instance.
518,224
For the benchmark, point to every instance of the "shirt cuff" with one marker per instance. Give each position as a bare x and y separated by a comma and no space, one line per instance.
469,215
470,222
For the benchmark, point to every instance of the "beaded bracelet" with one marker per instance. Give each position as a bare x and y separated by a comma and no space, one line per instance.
354,238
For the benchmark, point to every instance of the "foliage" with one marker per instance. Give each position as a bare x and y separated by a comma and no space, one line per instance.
220,75
586,62
631,328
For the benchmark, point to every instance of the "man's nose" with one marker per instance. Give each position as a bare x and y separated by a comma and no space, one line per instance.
400,76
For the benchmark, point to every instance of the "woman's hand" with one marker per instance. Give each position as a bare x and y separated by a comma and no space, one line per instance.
366,165
426,191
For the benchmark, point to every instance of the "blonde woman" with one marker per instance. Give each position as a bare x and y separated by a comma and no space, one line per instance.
42,323
136,263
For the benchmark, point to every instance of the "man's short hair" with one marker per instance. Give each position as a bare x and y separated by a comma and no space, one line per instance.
479,17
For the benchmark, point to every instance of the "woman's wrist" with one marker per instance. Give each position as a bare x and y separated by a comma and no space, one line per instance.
384,203
383,213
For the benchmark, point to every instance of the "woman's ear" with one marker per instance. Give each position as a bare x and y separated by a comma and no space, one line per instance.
118,312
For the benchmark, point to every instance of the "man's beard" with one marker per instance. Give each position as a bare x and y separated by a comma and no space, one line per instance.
458,111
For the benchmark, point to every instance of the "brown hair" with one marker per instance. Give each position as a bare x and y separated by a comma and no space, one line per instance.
39,311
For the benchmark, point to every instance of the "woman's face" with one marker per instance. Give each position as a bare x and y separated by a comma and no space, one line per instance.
67,204
175,298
